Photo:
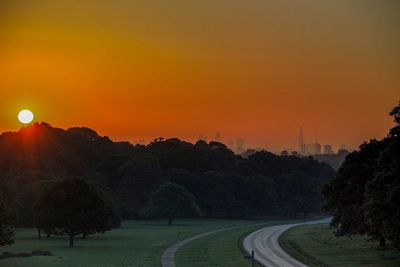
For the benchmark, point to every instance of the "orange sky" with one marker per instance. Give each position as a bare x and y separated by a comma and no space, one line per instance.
255,69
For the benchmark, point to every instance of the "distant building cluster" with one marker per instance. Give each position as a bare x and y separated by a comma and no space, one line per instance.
328,149
321,152
314,148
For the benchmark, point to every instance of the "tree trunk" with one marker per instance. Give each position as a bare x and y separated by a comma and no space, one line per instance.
48,235
169,221
382,242
39,233
71,241
84,236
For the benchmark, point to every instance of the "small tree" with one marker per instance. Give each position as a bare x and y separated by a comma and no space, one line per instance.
172,201
6,224
76,207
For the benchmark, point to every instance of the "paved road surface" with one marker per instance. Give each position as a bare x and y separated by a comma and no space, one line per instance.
266,248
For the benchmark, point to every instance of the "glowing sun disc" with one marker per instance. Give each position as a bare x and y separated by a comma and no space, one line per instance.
25,116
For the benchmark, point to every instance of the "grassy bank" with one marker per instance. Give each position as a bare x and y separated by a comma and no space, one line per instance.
136,243
222,249
316,245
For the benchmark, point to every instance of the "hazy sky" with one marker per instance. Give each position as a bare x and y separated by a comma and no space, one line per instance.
256,69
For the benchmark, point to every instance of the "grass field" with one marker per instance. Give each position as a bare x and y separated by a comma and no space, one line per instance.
136,243
222,249
317,246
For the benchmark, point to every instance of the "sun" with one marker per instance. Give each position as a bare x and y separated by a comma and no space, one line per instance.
25,116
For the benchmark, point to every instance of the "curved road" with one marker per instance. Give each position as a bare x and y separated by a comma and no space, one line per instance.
266,247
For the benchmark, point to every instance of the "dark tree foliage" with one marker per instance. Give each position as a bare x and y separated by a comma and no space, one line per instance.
382,205
225,185
139,177
201,157
334,160
365,196
6,223
258,194
301,194
75,207
40,152
171,201
345,193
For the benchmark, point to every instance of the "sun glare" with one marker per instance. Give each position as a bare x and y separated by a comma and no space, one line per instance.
25,116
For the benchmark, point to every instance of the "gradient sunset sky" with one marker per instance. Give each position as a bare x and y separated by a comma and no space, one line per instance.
254,69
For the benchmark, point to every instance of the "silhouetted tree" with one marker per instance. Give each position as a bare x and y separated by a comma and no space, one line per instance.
139,176
345,194
364,198
221,182
301,194
75,207
259,195
171,201
382,204
6,223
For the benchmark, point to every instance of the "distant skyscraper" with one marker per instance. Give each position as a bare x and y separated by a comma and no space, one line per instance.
301,145
328,149
313,149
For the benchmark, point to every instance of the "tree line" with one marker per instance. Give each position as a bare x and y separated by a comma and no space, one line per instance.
364,198
165,179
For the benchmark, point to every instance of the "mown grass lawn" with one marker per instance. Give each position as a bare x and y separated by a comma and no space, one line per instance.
222,249
316,245
136,243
